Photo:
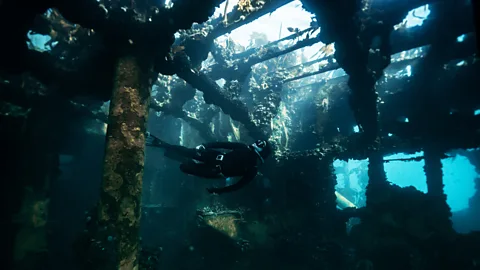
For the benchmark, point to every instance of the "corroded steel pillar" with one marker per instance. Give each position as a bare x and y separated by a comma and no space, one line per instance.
121,193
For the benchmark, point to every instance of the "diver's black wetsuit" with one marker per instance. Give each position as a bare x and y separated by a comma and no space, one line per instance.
209,161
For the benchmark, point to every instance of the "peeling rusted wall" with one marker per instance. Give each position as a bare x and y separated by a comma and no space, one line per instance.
121,193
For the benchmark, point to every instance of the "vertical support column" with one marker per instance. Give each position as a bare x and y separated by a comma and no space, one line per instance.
343,28
476,17
474,158
433,172
429,110
119,208
377,183
327,183
36,171
13,184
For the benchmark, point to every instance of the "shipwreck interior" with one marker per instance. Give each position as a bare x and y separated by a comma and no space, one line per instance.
372,107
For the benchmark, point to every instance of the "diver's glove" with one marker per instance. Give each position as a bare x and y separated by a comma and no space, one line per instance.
200,149
151,140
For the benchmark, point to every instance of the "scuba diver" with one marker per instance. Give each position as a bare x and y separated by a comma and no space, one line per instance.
210,160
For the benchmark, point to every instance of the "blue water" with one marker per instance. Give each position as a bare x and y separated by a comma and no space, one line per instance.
458,176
